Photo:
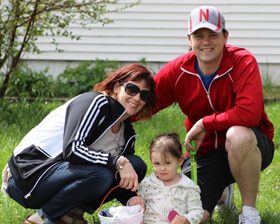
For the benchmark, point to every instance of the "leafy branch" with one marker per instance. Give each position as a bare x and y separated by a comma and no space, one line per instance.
23,21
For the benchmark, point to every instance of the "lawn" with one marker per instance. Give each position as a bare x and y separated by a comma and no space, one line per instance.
17,119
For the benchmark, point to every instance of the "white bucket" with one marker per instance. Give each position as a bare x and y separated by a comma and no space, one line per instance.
133,219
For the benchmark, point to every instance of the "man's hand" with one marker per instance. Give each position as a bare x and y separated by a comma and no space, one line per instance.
197,133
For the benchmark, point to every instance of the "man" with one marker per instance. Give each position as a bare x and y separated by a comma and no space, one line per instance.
218,87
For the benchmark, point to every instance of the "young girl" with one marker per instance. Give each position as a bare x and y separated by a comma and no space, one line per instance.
166,189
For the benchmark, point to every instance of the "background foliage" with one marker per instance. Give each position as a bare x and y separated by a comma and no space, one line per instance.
17,118
74,81
22,22
26,83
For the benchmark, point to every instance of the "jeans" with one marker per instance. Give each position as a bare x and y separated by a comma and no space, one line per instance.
67,185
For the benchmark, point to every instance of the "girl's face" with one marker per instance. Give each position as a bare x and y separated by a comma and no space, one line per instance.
132,104
166,170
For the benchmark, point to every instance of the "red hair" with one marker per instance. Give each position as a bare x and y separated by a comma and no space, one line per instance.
131,72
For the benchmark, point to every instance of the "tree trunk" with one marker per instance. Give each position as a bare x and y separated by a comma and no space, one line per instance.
5,84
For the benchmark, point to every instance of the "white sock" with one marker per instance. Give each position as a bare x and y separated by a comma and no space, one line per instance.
227,198
250,211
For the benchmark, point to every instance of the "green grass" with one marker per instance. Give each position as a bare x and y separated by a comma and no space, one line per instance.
17,119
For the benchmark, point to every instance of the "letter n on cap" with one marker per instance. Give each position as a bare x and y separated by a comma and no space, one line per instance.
205,15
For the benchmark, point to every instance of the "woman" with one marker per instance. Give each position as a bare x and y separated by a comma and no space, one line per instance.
69,162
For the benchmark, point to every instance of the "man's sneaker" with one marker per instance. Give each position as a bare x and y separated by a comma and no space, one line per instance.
243,219
229,204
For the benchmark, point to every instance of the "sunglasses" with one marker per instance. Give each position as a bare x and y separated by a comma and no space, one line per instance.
132,90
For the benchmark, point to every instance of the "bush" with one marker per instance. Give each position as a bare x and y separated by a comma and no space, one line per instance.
74,81
26,83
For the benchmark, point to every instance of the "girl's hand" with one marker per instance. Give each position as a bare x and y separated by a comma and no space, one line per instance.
180,219
136,200
129,178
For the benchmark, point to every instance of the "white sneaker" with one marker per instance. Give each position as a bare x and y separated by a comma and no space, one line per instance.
243,219
229,204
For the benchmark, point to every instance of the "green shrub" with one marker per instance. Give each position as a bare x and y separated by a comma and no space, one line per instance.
74,81
26,83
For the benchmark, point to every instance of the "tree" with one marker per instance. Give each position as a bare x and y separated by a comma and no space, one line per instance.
23,21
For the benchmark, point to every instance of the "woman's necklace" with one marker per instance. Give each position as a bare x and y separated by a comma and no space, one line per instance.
117,138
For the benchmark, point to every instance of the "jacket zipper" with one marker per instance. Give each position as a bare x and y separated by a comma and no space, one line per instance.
109,127
35,185
127,144
208,95
210,102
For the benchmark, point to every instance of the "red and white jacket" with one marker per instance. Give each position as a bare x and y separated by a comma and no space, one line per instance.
234,97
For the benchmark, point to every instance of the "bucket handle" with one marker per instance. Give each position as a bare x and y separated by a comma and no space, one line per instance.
142,204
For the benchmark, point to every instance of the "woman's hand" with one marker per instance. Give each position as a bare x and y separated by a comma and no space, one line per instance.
129,178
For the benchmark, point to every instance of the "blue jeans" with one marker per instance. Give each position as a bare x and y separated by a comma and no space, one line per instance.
67,185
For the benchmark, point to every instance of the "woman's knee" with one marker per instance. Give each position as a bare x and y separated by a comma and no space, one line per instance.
16,194
104,177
